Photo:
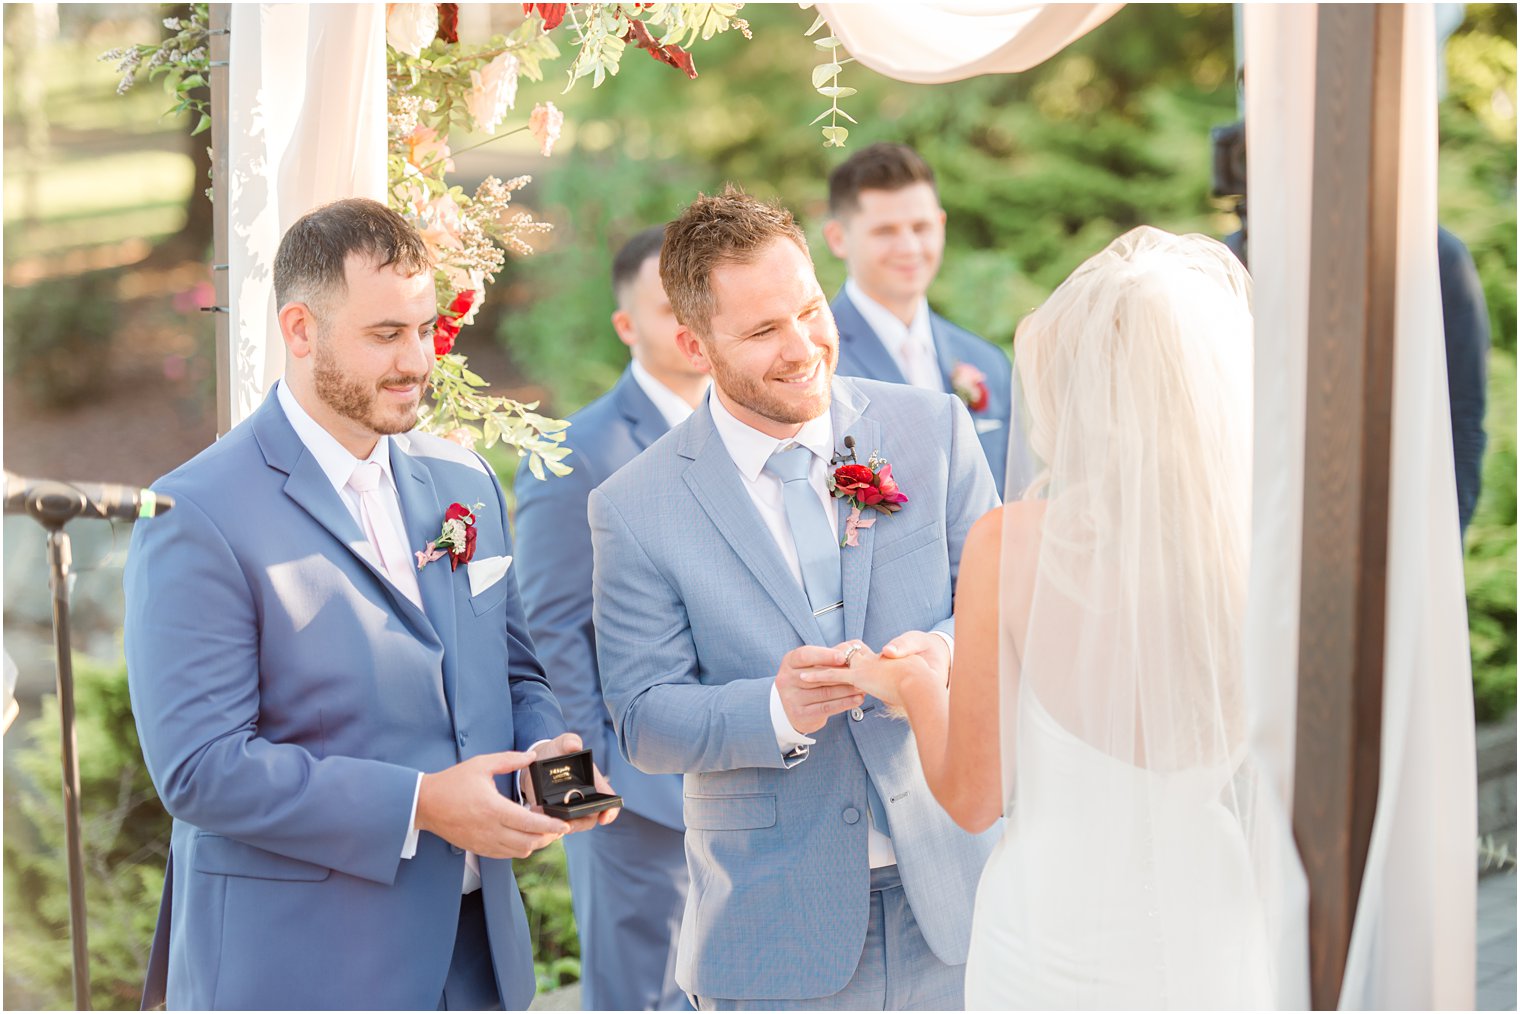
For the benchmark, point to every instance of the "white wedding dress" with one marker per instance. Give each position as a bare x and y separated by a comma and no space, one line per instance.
1074,910
1130,872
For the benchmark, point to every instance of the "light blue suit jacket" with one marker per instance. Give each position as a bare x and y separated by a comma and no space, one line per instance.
554,568
862,354
286,697
695,608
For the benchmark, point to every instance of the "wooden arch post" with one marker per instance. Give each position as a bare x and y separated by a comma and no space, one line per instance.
1352,272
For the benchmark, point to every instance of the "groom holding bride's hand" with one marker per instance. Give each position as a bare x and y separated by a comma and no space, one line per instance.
741,561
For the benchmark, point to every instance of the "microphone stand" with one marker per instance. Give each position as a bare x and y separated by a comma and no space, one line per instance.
52,509
60,559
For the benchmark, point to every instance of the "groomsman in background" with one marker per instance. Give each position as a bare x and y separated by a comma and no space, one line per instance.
629,888
886,224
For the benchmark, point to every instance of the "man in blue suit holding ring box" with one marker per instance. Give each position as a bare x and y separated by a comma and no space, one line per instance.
328,697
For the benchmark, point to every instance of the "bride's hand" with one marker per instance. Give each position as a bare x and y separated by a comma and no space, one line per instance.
875,674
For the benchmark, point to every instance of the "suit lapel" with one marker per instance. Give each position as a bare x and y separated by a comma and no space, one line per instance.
861,345
308,486
645,423
855,561
943,340
714,480
422,510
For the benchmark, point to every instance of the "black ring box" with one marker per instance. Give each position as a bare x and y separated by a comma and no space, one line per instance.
556,777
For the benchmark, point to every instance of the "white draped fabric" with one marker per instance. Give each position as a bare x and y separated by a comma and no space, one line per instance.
1280,147
929,43
1413,939
306,125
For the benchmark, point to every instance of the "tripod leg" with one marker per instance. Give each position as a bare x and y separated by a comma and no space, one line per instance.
60,558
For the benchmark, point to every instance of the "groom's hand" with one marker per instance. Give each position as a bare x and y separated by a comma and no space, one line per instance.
809,705
569,742
463,806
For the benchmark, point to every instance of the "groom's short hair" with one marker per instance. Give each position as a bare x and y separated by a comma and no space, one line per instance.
714,230
309,264
880,166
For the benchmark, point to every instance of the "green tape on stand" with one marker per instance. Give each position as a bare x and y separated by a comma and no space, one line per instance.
147,505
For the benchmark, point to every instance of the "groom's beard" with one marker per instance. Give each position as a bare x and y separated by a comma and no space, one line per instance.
360,402
766,397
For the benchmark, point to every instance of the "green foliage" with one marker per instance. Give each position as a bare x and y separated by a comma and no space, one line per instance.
182,61
545,887
1490,563
57,332
1036,170
1477,202
126,841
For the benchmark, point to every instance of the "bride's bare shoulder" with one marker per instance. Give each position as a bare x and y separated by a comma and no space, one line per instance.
1018,522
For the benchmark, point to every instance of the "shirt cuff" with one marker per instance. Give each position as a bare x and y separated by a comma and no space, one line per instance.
533,750
409,846
787,738
949,641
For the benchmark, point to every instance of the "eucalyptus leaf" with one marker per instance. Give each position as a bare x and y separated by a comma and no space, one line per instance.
827,42
823,73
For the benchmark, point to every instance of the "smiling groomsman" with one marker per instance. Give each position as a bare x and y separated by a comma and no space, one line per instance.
628,888
886,224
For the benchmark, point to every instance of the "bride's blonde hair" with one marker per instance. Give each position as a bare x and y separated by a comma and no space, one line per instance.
1136,380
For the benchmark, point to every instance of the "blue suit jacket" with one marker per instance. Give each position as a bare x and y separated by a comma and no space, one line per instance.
554,567
694,609
286,697
862,354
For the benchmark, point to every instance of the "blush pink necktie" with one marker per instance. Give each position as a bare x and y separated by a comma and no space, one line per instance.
381,532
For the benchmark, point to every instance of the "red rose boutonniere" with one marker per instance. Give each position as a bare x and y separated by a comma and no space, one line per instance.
864,487
970,386
457,538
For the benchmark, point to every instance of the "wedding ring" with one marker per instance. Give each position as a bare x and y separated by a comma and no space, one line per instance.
577,793
851,653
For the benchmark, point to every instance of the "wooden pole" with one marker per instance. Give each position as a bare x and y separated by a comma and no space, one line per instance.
221,211
1346,467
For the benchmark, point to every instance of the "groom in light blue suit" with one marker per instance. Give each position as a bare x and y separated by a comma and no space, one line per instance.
627,882
886,224
327,719
824,875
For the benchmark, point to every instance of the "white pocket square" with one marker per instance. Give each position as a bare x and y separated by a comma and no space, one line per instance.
485,573
988,425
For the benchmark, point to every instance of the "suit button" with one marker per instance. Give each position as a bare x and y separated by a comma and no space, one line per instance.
856,714
851,815
463,739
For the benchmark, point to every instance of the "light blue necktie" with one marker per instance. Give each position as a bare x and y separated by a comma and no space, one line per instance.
817,546
818,554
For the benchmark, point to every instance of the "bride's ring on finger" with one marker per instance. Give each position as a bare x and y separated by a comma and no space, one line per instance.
849,654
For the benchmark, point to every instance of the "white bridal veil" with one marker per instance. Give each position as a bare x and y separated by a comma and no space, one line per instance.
1124,581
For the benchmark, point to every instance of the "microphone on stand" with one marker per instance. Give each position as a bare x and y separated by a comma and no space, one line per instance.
53,503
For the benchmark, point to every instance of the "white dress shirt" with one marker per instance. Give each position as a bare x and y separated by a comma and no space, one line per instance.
338,465
911,346
672,406
750,450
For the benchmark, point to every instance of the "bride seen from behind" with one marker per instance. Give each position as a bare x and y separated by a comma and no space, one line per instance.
1096,696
